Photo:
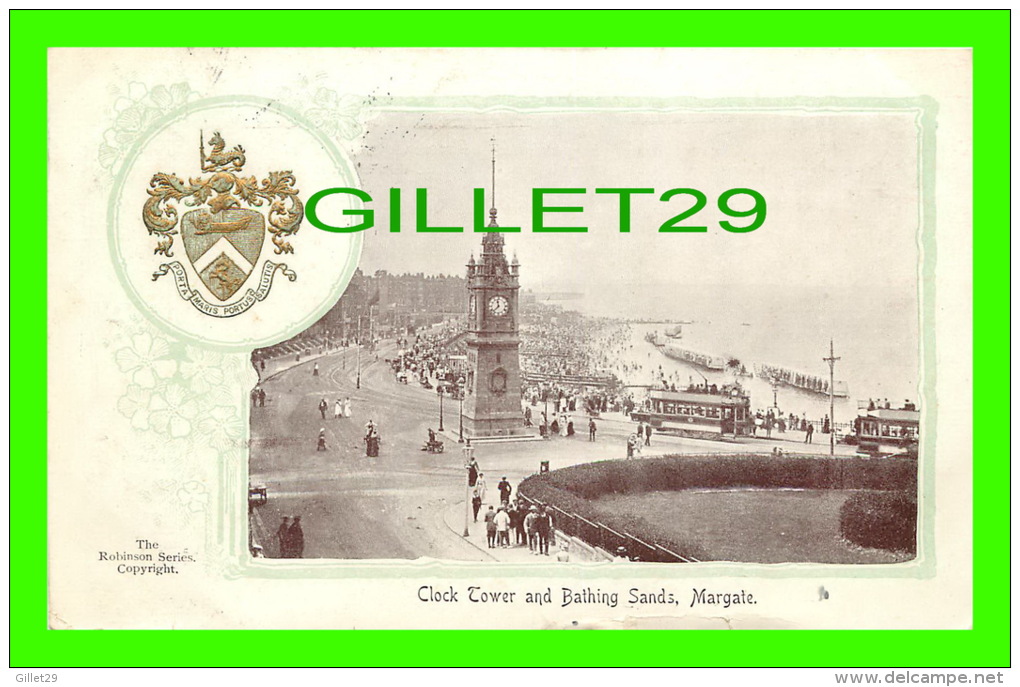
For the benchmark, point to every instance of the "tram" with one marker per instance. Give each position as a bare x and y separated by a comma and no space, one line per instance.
701,411
879,430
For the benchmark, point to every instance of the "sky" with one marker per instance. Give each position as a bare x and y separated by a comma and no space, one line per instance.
841,191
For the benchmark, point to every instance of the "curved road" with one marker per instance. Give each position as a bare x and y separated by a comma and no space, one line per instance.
394,506
352,506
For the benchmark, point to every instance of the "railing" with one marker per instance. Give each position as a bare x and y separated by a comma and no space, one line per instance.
598,535
573,380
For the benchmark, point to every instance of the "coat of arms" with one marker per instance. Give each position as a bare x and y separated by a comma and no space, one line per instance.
222,238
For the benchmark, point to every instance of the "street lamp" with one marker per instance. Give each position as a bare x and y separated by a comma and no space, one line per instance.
460,388
439,390
832,404
358,383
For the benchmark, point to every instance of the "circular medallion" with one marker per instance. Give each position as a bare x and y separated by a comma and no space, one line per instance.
204,223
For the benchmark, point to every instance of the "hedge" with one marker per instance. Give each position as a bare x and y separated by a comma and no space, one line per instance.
881,520
576,489
674,473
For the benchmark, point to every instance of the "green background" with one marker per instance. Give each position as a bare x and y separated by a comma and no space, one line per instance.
987,32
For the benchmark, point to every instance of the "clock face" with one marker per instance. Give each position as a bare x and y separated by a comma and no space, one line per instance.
499,306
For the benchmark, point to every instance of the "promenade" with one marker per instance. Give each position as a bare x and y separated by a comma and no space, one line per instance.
396,506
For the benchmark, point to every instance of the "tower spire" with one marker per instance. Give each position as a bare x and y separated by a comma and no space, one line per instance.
492,208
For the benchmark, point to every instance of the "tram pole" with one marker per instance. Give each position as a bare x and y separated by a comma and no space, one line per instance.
832,403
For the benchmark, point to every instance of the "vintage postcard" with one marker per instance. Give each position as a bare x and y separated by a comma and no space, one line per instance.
600,338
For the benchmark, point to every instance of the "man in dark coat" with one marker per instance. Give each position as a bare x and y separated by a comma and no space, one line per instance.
295,539
281,536
542,526
504,490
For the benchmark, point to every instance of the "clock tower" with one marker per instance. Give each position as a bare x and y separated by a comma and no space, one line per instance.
492,405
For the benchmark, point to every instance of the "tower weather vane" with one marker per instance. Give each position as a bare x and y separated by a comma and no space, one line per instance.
492,208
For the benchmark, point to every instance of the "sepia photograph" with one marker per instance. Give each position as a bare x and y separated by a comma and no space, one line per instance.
700,343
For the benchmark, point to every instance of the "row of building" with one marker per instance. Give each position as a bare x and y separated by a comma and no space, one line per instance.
383,304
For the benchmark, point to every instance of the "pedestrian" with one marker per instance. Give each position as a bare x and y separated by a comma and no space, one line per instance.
518,525
648,434
281,537
347,407
254,397
473,472
476,500
530,531
338,409
502,520
371,439
632,445
262,398
481,486
295,539
322,408
490,527
504,491
809,438
321,446
543,526
591,429
315,370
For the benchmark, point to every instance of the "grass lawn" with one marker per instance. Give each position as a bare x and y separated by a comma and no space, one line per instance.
752,525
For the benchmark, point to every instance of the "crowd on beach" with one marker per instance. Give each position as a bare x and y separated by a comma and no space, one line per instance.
566,344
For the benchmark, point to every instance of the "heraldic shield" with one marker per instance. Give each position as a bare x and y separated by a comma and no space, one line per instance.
224,247
222,238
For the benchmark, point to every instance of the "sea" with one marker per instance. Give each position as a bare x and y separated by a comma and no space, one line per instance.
874,332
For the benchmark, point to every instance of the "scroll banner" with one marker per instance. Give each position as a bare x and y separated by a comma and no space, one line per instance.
250,298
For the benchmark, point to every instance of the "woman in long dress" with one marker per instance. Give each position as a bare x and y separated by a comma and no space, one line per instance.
338,409
347,407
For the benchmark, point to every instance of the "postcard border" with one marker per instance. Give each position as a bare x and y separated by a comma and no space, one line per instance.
987,33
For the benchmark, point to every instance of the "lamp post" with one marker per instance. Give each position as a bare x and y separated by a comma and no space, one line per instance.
439,390
357,385
460,389
832,405
358,343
